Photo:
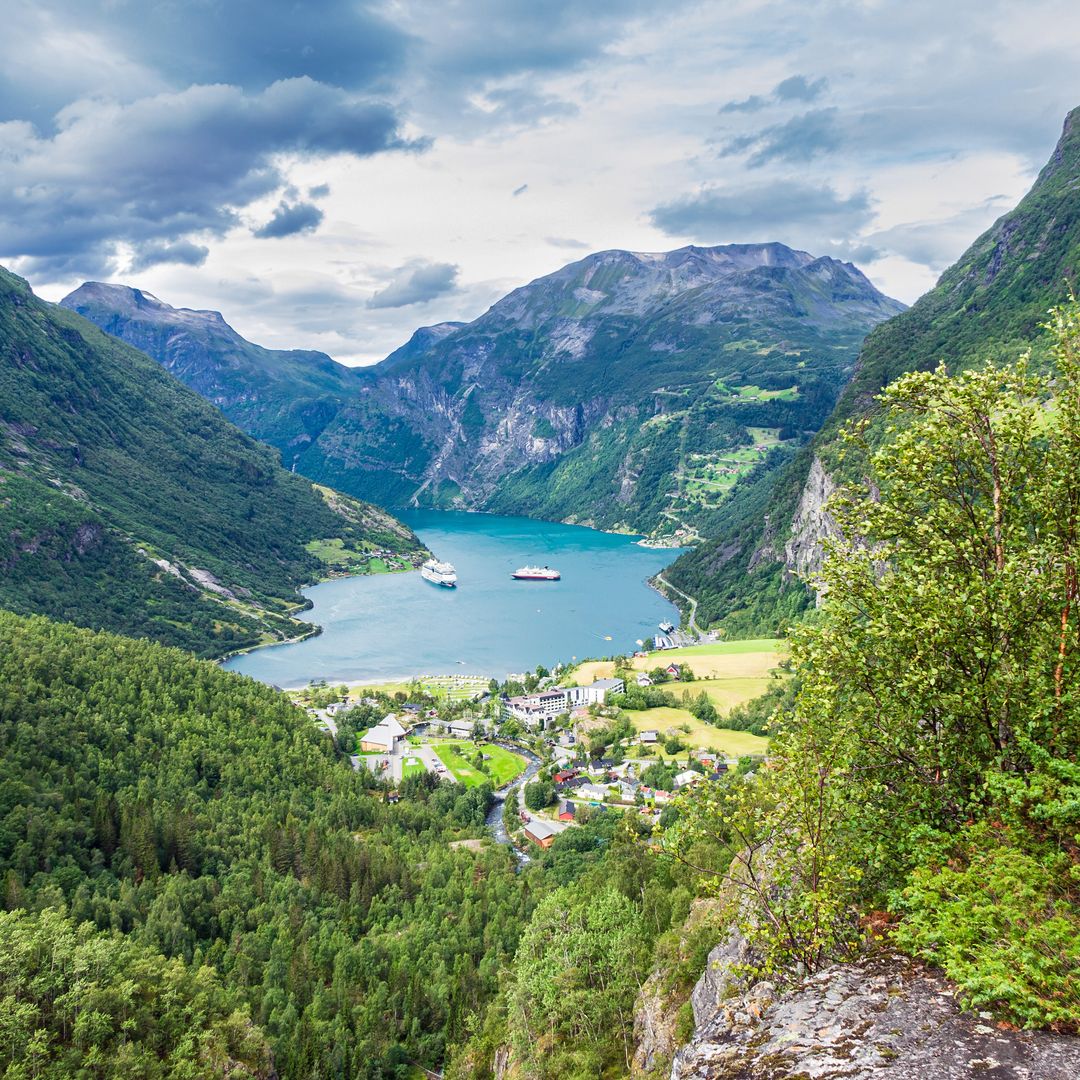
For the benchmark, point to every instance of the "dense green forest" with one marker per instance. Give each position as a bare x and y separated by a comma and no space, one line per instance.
990,303
128,503
151,803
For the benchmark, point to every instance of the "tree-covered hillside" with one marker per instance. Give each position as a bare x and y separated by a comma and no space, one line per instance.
987,305
153,805
127,502
201,815
283,397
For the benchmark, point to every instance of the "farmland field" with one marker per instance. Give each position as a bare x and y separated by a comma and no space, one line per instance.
701,735
730,672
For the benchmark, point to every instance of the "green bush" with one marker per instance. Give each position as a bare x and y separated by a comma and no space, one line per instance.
1001,922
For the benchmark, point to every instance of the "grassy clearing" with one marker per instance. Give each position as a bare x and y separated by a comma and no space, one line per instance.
751,659
356,559
725,694
503,765
701,735
412,766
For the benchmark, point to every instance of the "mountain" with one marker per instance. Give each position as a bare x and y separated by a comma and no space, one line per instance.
129,503
626,390
989,304
283,397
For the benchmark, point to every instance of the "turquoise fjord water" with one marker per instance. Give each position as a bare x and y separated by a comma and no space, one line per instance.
394,626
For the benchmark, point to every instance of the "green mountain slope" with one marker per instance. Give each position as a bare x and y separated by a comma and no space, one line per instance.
127,502
988,304
283,397
626,390
207,819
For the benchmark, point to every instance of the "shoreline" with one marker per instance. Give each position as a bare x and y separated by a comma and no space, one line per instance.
634,538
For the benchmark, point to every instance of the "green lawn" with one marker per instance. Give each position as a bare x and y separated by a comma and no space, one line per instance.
412,766
701,735
503,766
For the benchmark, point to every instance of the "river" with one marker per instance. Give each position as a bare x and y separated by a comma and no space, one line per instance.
395,626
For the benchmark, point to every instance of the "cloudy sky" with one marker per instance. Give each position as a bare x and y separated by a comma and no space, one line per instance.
332,175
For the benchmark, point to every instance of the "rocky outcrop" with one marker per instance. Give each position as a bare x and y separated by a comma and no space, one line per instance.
812,524
660,1012
885,1016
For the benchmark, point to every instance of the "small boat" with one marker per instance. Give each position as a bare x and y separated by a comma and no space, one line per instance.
668,628
536,573
439,573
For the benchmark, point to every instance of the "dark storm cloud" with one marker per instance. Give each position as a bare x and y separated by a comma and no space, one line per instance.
290,219
416,283
247,43
183,253
799,139
785,210
170,167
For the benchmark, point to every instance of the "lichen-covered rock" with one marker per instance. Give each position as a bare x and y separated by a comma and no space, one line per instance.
720,979
884,1016
654,1028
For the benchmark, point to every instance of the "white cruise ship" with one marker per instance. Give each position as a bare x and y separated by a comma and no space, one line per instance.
536,573
439,573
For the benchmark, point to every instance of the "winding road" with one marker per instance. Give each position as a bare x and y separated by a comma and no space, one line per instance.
691,621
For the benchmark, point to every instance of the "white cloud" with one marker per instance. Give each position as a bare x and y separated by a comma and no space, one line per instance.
920,115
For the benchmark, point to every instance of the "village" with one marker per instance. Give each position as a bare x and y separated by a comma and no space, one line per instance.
556,748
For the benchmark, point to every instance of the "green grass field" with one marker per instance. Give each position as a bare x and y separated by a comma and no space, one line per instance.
701,735
503,765
412,766
440,687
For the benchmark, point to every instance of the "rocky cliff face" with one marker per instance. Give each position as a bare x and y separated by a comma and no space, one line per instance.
623,390
811,526
884,1016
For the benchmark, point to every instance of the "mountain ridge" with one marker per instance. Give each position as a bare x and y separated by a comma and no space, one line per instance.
576,396
127,502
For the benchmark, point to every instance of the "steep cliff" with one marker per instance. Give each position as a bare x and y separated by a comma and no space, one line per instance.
989,304
883,1016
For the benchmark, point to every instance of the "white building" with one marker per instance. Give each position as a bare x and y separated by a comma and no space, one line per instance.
384,737
593,792
594,694
534,709
687,777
